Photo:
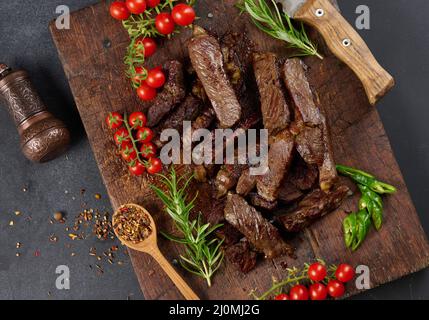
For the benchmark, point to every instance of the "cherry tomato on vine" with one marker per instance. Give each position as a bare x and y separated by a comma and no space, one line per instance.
136,6
164,23
336,289
155,78
121,136
298,292
127,152
144,135
137,120
152,3
119,11
148,150
183,14
155,166
317,272
114,120
136,168
345,273
282,296
139,76
318,292
145,92
149,46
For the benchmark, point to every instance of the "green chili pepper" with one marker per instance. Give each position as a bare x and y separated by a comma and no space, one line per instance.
377,217
366,179
350,229
363,221
365,202
374,197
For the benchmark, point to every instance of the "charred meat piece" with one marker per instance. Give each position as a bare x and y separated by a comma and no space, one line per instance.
246,183
289,193
227,178
310,127
313,207
280,158
257,201
275,111
242,256
299,89
188,110
172,94
262,234
204,120
207,60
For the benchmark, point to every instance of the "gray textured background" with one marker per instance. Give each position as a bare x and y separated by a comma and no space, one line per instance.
398,37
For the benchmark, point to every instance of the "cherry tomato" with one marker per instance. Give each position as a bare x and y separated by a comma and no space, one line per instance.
298,292
317,272
145,92
136,6
114,120
155,78
148,150
282,296
139,75
152,3
127,152
183,14
137,120
136,168
149,46
144,135
155,166
318,292
121,136
119,11
345,273
336,289
164,23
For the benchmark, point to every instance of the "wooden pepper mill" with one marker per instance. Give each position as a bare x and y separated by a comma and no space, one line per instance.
43,137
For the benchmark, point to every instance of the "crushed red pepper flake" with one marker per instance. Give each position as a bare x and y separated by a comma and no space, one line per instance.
132,224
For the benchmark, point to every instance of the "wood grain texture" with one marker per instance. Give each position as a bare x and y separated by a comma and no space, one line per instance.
335,30
97,80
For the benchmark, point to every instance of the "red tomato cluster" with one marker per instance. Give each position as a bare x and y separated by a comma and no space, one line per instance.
134,141
147,82
321,286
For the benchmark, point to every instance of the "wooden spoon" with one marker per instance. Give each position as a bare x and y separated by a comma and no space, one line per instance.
150,246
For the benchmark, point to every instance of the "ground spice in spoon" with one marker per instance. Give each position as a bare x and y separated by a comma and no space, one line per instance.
132,224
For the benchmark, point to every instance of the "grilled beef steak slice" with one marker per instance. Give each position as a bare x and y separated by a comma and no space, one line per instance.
300,92
313,207
275,111
171,95
257,201
207,60
204,120
228,234
312,134
262,234
242,256
280,157
227,178
246,183
188,110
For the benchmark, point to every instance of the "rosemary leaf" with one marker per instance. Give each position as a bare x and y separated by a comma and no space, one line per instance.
203,254
269,19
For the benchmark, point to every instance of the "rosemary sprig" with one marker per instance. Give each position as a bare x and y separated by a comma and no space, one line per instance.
295,276
279,25
203,254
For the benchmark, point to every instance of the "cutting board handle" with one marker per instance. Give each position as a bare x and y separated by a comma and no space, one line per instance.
343,40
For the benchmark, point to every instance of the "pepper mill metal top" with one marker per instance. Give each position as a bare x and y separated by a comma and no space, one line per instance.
43,137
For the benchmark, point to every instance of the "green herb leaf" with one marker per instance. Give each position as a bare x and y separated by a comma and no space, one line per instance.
203,254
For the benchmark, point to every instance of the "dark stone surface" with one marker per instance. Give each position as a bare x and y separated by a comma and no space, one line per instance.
398,37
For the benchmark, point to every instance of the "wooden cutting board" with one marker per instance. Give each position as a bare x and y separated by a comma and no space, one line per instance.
92,53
